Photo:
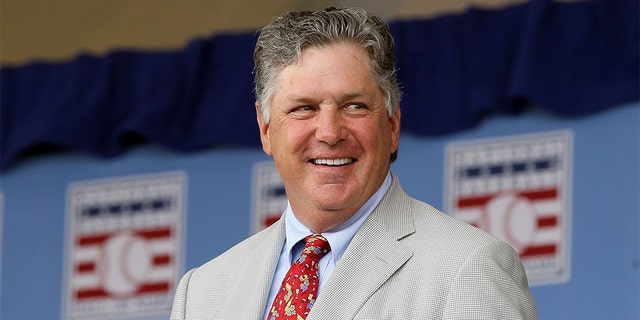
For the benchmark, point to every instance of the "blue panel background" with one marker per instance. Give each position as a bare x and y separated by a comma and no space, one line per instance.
604,281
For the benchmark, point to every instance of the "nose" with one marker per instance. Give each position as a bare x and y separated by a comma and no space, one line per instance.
329,126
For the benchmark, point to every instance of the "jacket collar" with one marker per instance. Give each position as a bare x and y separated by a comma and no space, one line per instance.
374,254
267,251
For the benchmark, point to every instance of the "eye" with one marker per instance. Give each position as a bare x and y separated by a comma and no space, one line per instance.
356,109
302,111
303,108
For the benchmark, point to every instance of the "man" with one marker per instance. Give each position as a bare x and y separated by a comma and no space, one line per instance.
328,112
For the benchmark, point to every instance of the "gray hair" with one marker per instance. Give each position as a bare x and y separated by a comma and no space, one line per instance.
281,42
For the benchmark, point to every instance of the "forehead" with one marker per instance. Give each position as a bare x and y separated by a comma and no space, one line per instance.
328,67
331,50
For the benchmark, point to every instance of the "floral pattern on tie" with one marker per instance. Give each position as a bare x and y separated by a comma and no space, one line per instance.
297,294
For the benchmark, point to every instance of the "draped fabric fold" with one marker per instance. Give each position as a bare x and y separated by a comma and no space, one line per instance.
571,58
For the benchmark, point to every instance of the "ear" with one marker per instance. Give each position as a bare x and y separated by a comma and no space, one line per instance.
264,130
394,122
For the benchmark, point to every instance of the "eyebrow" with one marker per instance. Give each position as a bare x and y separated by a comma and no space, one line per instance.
353,95
343,97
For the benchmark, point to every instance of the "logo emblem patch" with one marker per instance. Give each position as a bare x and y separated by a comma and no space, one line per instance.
124,241
518,189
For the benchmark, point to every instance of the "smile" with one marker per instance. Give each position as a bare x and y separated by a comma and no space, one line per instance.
333,162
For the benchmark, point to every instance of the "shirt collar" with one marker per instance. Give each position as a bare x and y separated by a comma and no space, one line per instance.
338,237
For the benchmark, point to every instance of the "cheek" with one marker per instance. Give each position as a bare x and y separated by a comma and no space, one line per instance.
379,136
289,137
384,143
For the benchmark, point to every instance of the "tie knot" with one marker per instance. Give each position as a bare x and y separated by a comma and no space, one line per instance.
316,245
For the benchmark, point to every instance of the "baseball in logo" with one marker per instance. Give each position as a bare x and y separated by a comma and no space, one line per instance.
123,246
123,264
517,188
519,218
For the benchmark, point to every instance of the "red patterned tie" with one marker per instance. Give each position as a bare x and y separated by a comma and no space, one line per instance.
298,289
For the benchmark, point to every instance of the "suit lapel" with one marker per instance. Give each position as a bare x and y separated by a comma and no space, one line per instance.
372,257
253,276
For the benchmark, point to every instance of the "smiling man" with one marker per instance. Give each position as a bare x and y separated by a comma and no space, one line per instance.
330,134
351,244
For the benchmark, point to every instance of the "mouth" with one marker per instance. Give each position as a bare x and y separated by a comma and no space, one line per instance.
333,162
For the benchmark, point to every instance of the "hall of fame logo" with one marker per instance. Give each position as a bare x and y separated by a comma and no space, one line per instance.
124,244
269,196
518,189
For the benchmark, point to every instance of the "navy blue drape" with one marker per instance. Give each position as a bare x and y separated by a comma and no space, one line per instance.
572,58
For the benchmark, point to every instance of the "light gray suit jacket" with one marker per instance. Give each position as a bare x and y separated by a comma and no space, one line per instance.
407,261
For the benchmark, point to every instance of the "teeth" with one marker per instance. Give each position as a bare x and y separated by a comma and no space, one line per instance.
333,162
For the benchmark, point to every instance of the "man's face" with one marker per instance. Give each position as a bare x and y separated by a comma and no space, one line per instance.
330,134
